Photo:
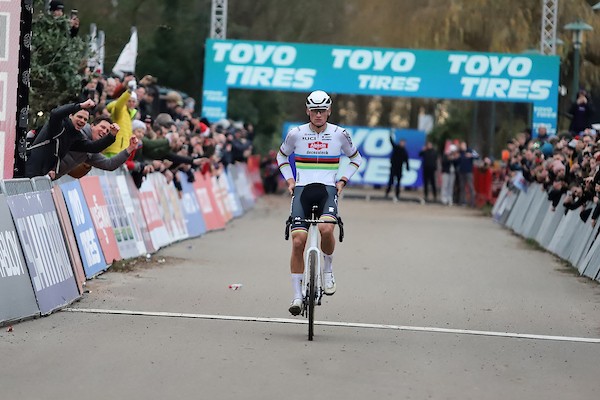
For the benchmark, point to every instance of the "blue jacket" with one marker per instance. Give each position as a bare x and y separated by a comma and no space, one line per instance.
465,164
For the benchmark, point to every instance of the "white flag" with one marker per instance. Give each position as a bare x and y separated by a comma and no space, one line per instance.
126,61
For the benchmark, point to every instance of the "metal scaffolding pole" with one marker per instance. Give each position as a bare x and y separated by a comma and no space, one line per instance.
549,21
218,20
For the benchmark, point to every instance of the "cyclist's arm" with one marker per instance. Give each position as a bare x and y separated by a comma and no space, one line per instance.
283,156
353,154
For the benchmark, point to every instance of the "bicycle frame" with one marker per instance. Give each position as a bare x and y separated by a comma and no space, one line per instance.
312,243
313,274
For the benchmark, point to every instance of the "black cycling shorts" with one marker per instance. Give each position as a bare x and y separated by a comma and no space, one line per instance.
323,196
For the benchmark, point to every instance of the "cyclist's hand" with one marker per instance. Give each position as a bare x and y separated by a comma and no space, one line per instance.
340,186
291,185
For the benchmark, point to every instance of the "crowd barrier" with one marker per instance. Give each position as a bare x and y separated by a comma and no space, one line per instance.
568,235
55,236
487,183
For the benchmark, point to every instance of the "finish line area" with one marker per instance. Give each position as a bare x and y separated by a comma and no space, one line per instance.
510,335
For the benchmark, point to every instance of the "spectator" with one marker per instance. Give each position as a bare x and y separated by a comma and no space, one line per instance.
109,88
61,134
270,170
581,111
465,174
57,9
398,158
78,164
122,113
430,161
241,148
173,100
449,169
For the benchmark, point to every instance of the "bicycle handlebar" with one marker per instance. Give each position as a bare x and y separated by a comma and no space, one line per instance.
339,223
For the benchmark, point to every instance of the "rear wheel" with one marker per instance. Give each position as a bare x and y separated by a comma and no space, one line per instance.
312,266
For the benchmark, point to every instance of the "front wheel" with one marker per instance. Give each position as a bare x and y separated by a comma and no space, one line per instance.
312,295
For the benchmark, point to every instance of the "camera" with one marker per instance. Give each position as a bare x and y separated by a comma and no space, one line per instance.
74,13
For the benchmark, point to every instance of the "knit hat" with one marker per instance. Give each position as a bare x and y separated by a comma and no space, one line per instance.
137,124
56,5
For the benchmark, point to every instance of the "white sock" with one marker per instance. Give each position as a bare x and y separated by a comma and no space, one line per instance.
327,267
297,285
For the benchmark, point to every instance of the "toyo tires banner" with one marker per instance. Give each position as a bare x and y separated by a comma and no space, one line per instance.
380,71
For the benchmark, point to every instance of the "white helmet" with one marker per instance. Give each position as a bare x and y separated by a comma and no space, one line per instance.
318,100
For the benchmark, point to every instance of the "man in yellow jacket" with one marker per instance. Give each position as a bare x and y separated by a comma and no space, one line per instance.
122,111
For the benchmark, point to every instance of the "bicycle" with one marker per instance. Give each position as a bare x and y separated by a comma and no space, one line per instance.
312,283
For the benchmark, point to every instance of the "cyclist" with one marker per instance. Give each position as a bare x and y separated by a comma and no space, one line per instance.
318,146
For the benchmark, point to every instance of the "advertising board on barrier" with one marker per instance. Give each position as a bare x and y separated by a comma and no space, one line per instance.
222,197
96,203
156,226
170,213
254,174
238,174
231,196
16,293
69,235
380,72
375,148
130,190
44,249
191,209
208,203
120,222
83,227
136,223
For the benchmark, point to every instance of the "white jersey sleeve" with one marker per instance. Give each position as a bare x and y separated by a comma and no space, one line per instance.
352,153
285,150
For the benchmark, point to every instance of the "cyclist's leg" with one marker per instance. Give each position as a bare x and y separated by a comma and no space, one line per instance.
299,233
329,207
330,212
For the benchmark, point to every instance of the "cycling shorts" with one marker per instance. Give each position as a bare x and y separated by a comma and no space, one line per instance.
323,196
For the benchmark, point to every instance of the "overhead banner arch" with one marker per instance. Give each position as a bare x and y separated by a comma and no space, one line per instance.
523,78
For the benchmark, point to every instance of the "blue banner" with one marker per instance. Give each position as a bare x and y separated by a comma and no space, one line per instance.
380,71
375,148
83,227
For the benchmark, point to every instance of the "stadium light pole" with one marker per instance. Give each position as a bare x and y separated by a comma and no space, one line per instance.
577,27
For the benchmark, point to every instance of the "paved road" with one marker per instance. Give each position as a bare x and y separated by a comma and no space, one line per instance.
447,280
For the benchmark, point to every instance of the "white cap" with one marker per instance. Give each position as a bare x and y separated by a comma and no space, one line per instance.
137,124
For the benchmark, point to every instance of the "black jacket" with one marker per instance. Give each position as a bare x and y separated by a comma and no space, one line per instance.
399,156
56,138
429,157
